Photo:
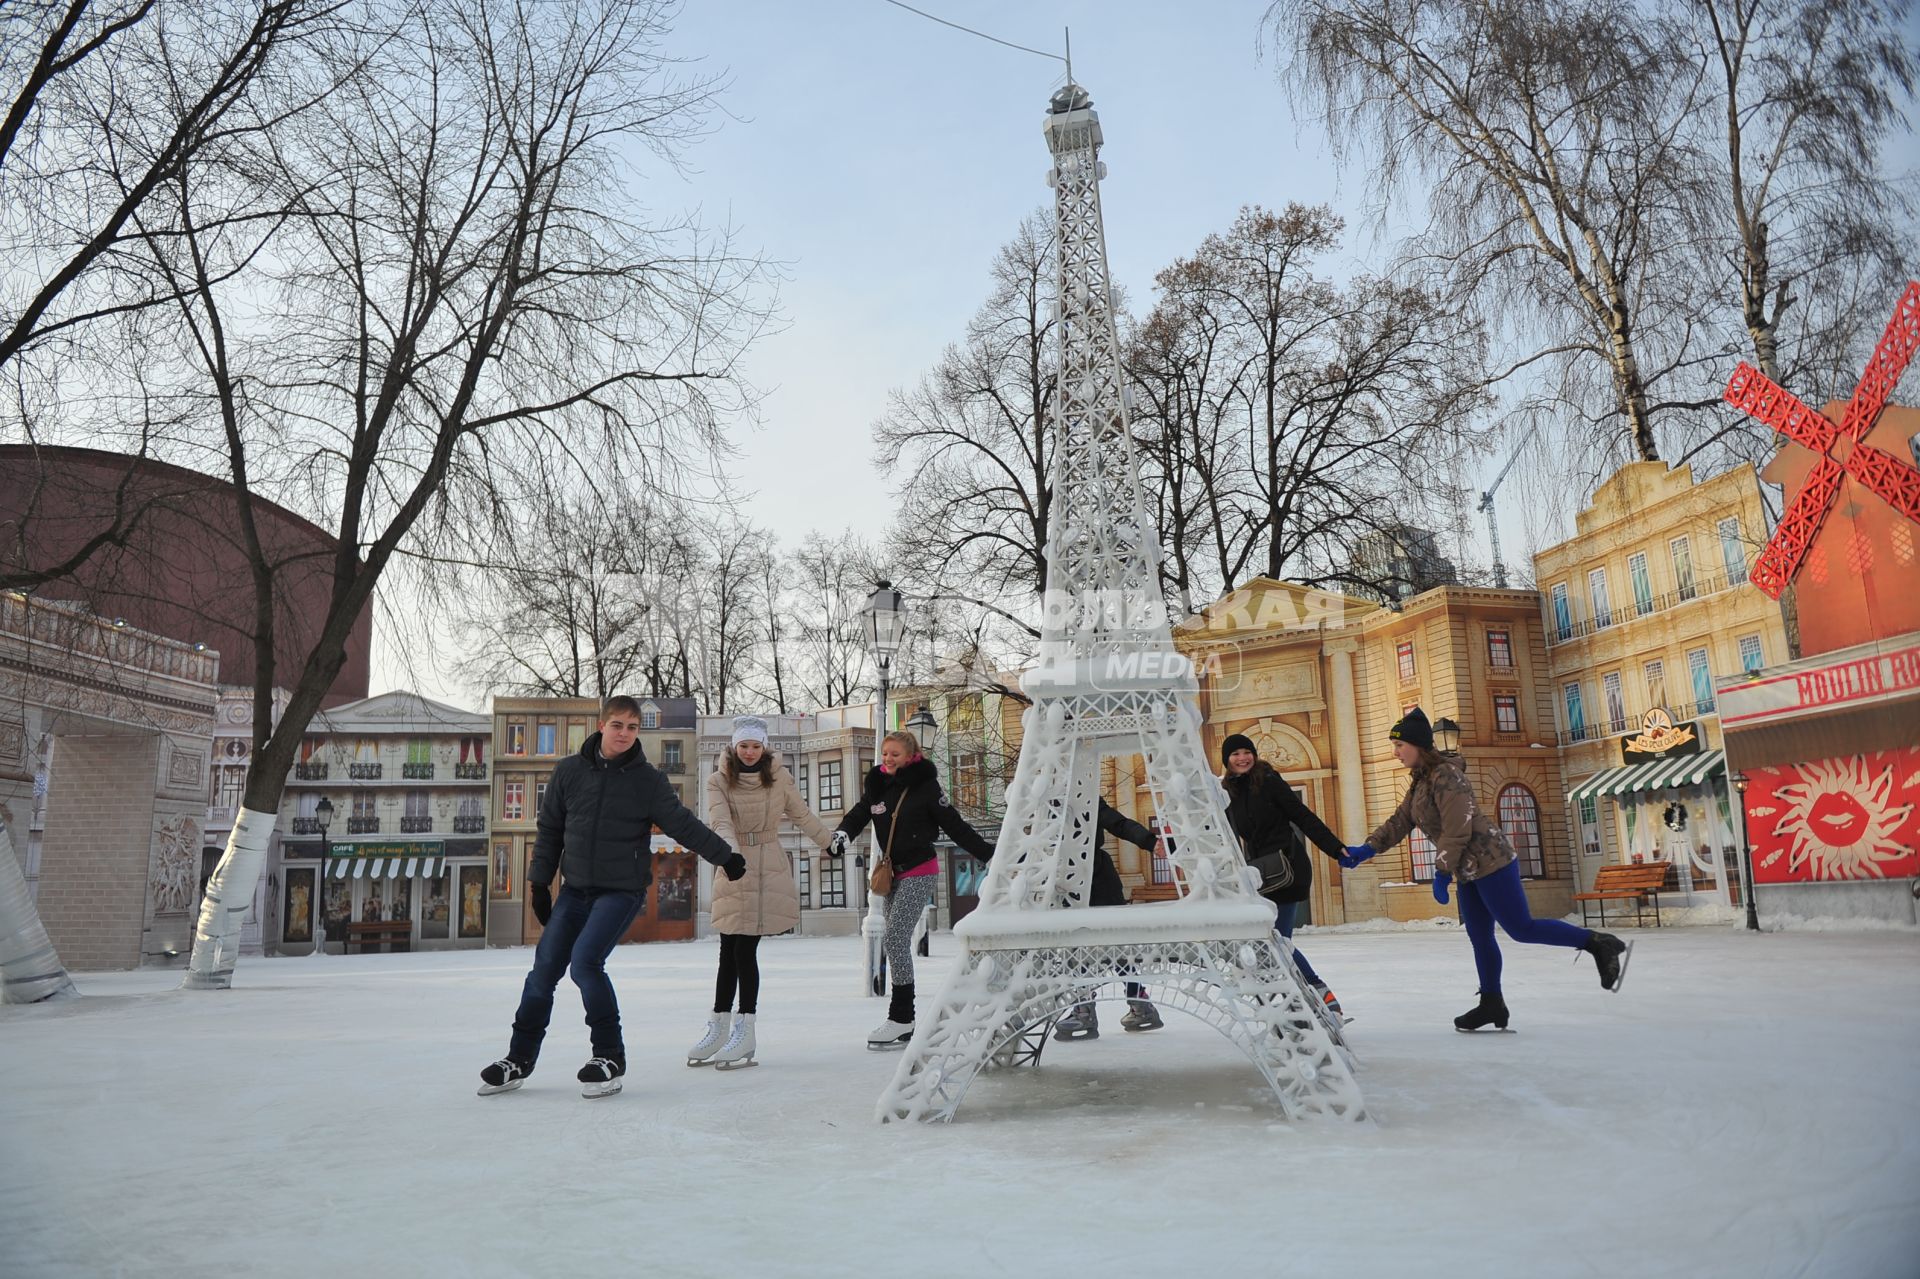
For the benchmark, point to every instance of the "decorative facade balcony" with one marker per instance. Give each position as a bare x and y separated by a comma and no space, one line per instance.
412,825
309,772
673,767
470,772
1706,584
364,772
306,825
363,825
469,824
417,772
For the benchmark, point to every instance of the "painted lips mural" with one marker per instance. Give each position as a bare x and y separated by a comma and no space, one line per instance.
1836,819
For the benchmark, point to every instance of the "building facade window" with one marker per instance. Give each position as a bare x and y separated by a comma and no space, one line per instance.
1520,818
1597,595
1562,613
576,736
1423,855
1403,651
540,795
670,756
1732,551
1700,672
1751,658
516,739
1500,650
1682,553
1656,675
802,866
649,715
1610,688
830,786
513,802
833,882
546,739
1642,583
970,781
1576,713
1506,713
800,780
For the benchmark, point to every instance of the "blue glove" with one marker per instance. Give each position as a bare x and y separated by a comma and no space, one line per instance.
1356,853
1440,883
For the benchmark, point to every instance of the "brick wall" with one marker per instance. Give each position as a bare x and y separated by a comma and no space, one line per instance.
96,846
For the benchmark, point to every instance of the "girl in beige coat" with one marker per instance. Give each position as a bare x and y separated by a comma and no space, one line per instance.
749,794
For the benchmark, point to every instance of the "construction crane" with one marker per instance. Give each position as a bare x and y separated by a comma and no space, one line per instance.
1486,509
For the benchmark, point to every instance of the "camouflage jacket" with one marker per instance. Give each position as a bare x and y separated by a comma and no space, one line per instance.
1440,802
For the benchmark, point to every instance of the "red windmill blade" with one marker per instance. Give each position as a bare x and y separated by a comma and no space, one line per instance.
1888,477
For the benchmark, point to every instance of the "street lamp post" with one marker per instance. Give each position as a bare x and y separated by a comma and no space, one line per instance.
323,818
1446,737
885,620
1740,783
922,726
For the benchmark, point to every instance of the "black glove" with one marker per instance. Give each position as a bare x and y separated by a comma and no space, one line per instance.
735,866
542,898
986,856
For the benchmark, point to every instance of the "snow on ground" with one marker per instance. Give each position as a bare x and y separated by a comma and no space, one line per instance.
1745,1107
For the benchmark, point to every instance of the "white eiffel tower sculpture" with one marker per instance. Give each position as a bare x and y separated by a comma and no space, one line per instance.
1108,681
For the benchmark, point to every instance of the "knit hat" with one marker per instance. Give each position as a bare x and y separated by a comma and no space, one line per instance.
749,728
1236,742
1413,727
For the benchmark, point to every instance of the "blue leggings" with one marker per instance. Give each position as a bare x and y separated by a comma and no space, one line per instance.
1283,924
1499,898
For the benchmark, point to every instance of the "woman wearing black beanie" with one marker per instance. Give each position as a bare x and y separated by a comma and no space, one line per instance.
1270,818
1475,852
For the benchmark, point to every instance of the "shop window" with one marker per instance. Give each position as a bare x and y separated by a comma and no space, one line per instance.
1520,818
1506,713
833,882
1423,855
1500,650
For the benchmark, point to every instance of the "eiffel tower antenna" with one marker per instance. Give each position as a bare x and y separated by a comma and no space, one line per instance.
1108,681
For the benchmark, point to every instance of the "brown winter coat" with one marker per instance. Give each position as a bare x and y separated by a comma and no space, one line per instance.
747,814
1440,802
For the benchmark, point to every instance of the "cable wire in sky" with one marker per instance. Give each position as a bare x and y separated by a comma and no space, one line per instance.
970,31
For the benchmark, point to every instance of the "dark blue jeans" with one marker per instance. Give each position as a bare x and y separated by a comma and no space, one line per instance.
1283,924
582,932
1500,898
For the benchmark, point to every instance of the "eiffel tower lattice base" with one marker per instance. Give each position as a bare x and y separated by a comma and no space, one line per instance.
1217,961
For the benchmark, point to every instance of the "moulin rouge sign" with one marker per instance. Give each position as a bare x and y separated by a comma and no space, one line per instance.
1861,679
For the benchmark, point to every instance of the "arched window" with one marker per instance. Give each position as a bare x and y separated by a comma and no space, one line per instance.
1520,818
1423,854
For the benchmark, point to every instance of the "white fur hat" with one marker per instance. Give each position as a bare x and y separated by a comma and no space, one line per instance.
749,728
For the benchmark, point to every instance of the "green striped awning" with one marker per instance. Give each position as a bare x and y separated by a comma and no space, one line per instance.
1654,774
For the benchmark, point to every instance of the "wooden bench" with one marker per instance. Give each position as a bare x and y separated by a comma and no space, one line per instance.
1634,883
396,933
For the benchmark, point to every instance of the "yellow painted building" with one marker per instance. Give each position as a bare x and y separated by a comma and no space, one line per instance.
1645,607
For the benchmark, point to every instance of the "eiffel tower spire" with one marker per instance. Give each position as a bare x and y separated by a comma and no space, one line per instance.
1109,682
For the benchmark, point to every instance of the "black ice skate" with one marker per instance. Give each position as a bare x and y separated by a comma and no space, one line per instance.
1141,1015
504,1075
1082,1023
1491,1011
601,1077
1610,956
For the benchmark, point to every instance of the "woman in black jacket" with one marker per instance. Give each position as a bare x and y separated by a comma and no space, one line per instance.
903,800
1270,818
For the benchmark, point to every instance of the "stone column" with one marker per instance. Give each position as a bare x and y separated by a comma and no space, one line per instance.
1344,710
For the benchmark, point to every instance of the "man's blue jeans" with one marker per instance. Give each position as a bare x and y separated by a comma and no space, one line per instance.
582,932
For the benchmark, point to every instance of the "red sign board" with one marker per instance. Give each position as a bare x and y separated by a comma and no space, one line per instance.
1863,679
1853,818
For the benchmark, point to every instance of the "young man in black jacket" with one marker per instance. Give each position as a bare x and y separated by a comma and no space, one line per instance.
596,826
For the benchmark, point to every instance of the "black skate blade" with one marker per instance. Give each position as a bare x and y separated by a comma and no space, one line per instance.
1487,1030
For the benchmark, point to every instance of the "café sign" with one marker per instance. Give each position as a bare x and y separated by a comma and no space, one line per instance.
1659,737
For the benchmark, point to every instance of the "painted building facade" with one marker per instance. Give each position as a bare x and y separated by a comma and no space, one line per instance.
405,838
1646,608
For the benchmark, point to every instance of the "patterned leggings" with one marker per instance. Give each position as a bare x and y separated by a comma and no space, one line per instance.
905,905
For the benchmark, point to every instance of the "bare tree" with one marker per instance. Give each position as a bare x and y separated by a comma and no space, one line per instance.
832,578
726,594
1551,138
450,305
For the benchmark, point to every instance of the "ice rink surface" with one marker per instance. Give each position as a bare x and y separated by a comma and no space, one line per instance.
1749,1105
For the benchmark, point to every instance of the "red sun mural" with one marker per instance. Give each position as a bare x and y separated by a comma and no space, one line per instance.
1836,819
